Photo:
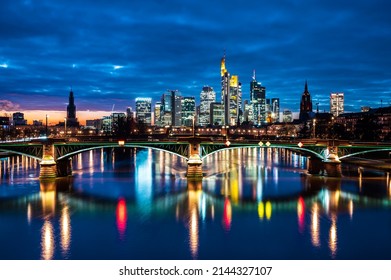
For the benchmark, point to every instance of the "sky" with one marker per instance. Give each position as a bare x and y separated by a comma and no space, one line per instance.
110,52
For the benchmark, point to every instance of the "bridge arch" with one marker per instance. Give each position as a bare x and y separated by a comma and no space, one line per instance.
68,155
292,148
365,152
20,153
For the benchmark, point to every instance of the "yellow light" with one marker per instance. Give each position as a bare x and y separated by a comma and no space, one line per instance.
268,210
261,210
121,143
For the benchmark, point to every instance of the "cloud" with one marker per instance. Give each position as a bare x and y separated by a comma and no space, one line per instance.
6,105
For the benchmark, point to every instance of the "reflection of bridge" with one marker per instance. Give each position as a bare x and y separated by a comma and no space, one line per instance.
324,156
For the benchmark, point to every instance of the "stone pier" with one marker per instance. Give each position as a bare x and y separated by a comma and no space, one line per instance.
48,168
194,164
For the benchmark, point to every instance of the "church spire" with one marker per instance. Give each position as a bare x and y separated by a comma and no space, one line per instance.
306,87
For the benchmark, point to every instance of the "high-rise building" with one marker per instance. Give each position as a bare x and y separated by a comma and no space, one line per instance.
248,111
18,119
188,110
258,101
166,109
176,103
208,96
143,110
235,100
217,112
225,91
157,110
71,112
305,104
336,103
275,109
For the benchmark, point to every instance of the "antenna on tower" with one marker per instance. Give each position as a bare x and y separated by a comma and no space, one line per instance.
317,107
254,75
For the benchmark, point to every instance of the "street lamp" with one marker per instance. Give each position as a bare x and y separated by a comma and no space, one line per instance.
46,125
65,126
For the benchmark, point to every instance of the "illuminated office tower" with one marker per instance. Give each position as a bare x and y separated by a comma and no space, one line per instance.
217,112
305,104
166,109
275,109
157,110
225,91
188,111
336,103
208,96
258,101
143,110
235,100
176,103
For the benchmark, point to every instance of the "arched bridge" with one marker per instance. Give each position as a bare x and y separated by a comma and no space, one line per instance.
54,154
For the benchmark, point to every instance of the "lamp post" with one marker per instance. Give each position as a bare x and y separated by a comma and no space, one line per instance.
65,127
46,130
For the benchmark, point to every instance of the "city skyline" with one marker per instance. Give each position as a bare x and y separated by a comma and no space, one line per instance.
115,53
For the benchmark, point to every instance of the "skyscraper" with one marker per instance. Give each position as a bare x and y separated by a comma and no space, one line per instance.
166,109
158,107
217,113
336,103
275,109
208,96
305,104
71,112
235,99
143,110
258,101
188,110
176,112
225,91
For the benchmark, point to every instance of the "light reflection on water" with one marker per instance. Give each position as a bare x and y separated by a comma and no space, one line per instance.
249,198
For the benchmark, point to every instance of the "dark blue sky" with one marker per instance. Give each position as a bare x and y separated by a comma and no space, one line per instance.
113,51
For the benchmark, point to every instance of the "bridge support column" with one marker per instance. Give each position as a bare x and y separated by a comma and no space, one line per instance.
64,167
194,164
332,166
315,165
48,168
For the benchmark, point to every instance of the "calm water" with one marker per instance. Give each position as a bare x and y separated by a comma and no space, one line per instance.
137,204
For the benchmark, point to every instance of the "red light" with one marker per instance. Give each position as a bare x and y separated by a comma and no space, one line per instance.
301,214
121,216
227,215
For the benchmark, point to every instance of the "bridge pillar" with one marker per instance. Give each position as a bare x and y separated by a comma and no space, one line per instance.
315,165
332,165
48,168
194,164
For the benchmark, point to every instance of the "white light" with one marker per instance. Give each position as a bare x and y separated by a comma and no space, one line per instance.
4,65
117,67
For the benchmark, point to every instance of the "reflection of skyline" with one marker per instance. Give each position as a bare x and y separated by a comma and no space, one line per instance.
316,211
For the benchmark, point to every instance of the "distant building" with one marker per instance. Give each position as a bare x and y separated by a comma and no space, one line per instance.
143,110
365,108
4,122
71,119
157,116
305,104
235,100
336,103
37,123
176,103
96,124
258,102
188,110
217,113
225,92
18,119
208,96
287,116
166,110
275,109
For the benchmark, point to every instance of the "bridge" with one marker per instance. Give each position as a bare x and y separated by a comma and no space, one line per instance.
324,156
